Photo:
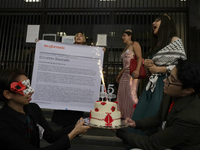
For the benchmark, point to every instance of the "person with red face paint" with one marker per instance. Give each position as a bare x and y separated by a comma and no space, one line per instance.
128,84
178,116
22,123
165,50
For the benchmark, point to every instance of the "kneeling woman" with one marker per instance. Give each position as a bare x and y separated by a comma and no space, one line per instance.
22,123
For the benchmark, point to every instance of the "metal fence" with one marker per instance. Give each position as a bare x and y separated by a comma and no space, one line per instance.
94,17
92,4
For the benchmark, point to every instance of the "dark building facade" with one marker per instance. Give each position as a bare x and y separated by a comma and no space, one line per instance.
111,17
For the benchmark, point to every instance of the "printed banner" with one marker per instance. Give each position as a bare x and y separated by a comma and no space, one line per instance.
66,76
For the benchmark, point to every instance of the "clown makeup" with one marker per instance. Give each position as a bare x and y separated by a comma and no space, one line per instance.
21,87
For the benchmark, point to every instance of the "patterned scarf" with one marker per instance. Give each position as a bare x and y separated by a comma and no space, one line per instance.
167,57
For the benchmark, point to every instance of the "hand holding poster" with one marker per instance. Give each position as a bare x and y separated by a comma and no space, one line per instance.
66,76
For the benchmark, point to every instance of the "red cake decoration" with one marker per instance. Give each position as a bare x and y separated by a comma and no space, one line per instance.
115,102
103,103
113,109
108,119
90,115
96,109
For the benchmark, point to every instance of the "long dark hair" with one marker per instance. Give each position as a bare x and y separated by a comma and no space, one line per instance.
166,32
6,78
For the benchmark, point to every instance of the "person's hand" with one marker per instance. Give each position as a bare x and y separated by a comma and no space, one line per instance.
136,74
80,120
148,63
153,69
36,40
118,78
104,49
78,129
130,122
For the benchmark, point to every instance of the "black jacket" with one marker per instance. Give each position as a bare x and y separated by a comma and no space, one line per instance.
13,130
182,128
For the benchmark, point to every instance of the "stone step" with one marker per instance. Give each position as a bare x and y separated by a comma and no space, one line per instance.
93,139
94,147
98,140
92,142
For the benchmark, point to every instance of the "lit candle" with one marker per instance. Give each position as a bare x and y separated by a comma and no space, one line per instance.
102,92
102,79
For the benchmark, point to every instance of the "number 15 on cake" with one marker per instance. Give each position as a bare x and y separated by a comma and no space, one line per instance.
104,94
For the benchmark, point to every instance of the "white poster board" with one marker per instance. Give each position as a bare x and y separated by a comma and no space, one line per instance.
32,33
101,39
66,76
68,39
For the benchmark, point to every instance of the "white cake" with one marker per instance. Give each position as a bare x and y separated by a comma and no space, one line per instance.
105,114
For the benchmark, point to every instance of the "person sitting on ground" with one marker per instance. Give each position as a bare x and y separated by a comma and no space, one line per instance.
178,116
22,123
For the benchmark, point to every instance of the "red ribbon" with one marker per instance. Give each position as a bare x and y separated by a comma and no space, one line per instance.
172,104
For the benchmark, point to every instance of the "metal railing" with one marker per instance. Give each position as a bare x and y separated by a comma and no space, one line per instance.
94,17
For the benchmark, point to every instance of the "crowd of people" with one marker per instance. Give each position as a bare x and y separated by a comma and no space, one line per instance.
164,116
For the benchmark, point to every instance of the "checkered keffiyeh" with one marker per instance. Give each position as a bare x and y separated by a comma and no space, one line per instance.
168,57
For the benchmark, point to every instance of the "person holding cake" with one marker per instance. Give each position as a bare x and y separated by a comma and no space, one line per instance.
178,116
128,84
69,117
22,123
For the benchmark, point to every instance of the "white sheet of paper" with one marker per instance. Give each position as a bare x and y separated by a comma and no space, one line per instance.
101,39
68,39
32,33
66,76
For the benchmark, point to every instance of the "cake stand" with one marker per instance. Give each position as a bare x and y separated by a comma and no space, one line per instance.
123,125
